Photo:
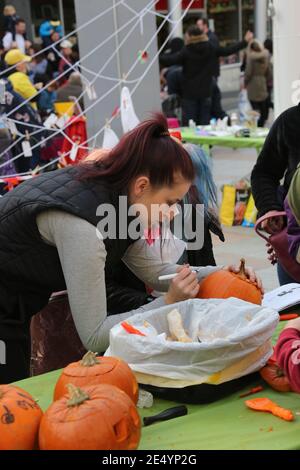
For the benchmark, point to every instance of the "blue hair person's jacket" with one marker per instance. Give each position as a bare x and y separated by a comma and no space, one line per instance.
46,28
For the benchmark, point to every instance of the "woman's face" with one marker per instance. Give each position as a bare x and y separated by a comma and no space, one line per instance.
157,204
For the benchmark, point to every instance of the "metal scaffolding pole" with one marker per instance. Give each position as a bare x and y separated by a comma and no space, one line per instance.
261,20
178,32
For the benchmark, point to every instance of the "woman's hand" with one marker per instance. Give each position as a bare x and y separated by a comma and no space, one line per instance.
185,286
250,273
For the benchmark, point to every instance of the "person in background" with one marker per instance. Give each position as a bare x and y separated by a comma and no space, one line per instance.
25,117
39,64
53,56
18,75
65,61
277,161
268,44
2,55
10,18
198,58
257,73
47,97
173,74
217,111
20,41
47,28
73,87
287,353
75,54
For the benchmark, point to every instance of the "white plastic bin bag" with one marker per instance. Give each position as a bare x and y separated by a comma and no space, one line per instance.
235,341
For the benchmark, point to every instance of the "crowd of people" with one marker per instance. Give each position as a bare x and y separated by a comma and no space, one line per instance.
37,77
191,70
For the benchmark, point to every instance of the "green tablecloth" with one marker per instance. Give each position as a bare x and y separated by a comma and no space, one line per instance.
225,424
189,135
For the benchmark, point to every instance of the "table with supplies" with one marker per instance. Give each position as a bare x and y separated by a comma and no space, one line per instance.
203,136
224,424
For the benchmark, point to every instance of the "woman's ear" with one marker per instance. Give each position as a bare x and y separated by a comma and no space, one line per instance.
141,185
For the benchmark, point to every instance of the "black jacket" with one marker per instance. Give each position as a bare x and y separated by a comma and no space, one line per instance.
30,269
214,40
198,60
279,159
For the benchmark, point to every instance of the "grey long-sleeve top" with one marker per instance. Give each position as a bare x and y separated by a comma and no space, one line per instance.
82,255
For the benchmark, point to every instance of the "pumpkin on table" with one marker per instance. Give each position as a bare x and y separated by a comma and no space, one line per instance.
94,370
224,284
20,418
275,377
97,417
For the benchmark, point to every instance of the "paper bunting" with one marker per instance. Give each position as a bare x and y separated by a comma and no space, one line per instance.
128,117
110,139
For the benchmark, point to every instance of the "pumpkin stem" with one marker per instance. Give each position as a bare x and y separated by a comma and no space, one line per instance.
242,272
89,359
77,396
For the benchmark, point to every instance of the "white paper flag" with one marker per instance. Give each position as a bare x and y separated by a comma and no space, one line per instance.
73,153
128,117
110,139
62,121
50,121
27,148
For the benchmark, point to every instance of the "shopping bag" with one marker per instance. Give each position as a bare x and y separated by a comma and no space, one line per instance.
244,105
279,243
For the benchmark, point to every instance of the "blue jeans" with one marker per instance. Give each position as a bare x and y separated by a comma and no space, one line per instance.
283,276
198,110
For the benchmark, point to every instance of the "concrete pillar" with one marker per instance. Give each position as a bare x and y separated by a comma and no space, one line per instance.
261,19
175,16
147,95
286,34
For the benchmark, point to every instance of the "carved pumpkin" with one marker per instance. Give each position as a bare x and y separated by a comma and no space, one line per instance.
97,417
93,370
275,377
20,418
224,284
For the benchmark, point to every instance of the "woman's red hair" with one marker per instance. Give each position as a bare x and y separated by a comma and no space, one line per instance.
146,150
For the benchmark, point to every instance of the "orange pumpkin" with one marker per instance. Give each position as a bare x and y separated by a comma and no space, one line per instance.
20,418
97,417
275,377
224,284
93,370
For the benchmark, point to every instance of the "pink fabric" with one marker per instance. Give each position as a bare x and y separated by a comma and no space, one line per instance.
173,123
287,352
151,235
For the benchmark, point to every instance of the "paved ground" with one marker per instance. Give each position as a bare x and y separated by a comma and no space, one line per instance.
230,166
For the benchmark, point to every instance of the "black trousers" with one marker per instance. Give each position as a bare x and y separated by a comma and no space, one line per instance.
16,311
198,110
263,108
217,111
